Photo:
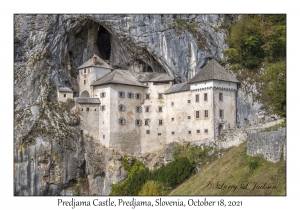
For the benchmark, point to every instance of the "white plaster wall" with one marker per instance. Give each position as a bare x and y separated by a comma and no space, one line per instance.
60,96
89,119
228,105
92,74
104,116
214,83
180,112
152,142
125,137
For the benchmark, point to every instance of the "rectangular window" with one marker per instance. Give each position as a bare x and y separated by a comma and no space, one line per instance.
173,133
160,95
84,71
206,131
95,109
189,101
147,96
84,81
103,136
147,131
147,108
159,134
147,83
87,109
65,95
190,132
221,113
197,98
197,114
205,96
172,103
147,122
189,117
220,96
138,122
206,113
198,131
160,109
172,118
81,109
160,122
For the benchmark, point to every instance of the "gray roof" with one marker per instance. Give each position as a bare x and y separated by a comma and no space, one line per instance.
178,88
99,63
65,89
87,100
119,76
153,77
212,71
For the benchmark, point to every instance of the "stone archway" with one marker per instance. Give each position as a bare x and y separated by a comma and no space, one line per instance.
84,94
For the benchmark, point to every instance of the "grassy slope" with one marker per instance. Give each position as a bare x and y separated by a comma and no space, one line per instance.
234,170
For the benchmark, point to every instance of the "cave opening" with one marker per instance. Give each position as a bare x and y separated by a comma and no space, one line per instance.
143,67
103,43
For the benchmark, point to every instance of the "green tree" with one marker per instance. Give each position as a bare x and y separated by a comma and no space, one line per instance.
152,188
274,89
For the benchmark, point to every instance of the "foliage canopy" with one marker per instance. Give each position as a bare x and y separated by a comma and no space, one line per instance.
259,41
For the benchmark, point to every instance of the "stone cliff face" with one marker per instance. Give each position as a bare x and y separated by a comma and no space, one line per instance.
50,154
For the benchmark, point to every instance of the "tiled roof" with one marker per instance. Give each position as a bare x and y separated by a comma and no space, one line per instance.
119,76
99,63
178,88
153,77
87,100
212,71
65,89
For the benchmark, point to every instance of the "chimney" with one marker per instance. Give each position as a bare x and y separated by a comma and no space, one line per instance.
94,59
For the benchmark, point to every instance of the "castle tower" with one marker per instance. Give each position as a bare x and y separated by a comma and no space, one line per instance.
214,89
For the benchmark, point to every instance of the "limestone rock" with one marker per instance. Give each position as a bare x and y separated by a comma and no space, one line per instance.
50,154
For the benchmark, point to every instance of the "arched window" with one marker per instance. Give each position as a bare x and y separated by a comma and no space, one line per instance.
122,121
102,95
138,109
138,96
130,95
122,107
121,94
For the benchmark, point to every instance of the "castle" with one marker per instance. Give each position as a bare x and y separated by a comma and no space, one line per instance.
140,112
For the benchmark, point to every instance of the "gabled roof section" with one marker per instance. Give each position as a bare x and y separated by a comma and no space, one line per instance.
65,89
99,63
153,77
212,71
178,88
119,76
87,100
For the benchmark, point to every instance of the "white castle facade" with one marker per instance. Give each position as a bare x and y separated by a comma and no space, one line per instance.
141,112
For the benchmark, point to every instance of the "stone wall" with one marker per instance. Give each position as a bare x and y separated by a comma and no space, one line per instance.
269,145
231,137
